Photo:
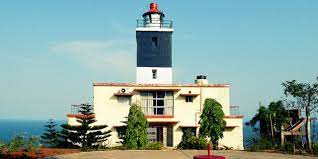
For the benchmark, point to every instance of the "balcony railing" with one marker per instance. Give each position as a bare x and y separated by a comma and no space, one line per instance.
76,108
154,24
235,110
157,110
148,106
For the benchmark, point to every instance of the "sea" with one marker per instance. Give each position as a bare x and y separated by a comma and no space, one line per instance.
9,128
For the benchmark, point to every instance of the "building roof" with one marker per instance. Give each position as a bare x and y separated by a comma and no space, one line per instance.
157,85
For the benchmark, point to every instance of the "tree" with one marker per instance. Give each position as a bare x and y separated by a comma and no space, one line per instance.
212,123
270,120
303,96
262,117
50,136
85,135
190,141
279,114
136,131
64,140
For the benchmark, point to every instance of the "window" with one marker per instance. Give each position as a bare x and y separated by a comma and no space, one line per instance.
121,132
157,102
154,41
124,99
189,99
154,74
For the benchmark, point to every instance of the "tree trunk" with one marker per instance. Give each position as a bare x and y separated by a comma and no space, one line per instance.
307,129
272,131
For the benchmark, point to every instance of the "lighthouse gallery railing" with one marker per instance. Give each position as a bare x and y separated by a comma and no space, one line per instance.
141,23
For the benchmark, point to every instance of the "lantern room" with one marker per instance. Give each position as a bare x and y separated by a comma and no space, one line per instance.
154,18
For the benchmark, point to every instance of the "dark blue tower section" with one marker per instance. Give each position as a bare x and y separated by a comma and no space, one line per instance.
154,48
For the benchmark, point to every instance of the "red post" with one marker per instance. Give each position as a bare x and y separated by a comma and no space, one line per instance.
209,149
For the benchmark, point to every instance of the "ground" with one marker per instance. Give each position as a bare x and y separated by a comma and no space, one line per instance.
39,153
174,154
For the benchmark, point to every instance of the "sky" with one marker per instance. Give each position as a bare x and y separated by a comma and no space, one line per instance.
52,51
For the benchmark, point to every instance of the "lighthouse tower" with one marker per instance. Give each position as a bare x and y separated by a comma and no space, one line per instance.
154,58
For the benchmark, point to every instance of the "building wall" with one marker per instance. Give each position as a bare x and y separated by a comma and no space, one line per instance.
112,112
233,135
144,75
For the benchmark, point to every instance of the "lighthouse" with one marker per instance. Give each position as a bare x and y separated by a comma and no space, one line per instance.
154,48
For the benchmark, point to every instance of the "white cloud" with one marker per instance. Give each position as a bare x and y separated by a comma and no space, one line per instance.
113,56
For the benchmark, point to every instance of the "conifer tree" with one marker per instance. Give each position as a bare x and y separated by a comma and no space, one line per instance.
50,136
136,131
212,123
85,135
64,140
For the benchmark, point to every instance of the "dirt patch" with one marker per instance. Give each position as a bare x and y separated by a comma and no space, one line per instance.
39,153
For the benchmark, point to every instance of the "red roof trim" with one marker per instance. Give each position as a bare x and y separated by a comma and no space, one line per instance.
157,85
234,116
189,126
157,89
124,94
76,115
189,94
231,126
159,116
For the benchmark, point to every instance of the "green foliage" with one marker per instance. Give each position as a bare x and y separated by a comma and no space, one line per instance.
64,139
212,124
136,131
278,114
288,147
32,143
259,143
192,142
20,142
85,135
3,147
224,147
315,148
16,143
304,96
154,146
50,136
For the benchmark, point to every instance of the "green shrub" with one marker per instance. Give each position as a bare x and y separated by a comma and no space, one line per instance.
224,147
315,148
32,143
154,146
16,143
259,143
288,147
3,147
192,142
19,142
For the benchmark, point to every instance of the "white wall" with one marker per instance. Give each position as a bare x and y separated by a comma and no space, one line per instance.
111,112
144,75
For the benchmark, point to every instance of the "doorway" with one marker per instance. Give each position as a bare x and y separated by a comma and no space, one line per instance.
163,134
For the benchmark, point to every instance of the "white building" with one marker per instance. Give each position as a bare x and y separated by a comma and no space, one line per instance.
169,108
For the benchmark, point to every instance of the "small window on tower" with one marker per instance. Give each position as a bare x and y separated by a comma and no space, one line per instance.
189,99
154,74
154,41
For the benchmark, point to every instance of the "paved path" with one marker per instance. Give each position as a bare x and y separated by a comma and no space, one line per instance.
174,154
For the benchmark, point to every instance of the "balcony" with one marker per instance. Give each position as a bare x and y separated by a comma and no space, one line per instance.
75,109
235,110
154,24
157,107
